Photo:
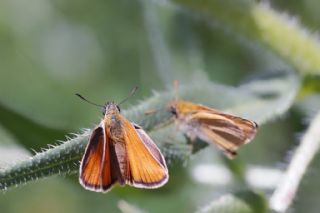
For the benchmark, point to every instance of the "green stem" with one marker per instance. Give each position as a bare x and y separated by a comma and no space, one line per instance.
244,100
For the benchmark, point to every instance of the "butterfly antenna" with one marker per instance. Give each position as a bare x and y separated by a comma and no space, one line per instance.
133,91
176,89
86,100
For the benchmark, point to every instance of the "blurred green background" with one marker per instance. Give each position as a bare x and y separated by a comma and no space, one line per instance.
52,49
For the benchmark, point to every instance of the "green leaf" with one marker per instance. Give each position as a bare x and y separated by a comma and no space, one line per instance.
21,127
310,85
10,151
246,100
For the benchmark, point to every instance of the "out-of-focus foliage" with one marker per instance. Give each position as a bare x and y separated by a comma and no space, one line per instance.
49,50
239,202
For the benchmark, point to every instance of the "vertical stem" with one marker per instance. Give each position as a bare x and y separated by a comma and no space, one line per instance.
309,146
157,43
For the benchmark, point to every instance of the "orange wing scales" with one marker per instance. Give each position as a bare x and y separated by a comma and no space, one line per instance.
89,171
95,168
134,159
150,145
119,151
145,169
226,131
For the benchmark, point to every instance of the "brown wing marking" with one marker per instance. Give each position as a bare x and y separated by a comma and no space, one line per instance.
146,171
210,136
227,131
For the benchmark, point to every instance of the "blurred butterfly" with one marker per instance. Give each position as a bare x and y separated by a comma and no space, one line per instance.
227,131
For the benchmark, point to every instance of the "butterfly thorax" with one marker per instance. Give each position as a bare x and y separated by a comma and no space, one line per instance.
182,108
186,120
113,122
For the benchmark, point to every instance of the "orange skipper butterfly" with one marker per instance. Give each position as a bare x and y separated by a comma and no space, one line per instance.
120,151
227,131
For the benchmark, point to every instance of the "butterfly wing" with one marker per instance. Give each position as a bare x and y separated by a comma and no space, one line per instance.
96,171
147,168
227,131
150,145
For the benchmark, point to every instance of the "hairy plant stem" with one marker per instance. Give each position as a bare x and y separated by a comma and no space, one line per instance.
245,100
301,159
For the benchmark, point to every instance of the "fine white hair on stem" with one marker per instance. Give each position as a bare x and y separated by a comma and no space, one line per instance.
302,157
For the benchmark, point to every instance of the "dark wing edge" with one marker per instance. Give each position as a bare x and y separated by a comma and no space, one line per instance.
95,170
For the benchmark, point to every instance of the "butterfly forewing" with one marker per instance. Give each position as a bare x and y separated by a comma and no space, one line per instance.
95,168
227,131
146,164
150,145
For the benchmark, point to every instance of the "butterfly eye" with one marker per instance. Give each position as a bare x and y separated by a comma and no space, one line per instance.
173,110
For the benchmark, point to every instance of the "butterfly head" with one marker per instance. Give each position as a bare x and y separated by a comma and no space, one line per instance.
173,110
179,107
110,108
